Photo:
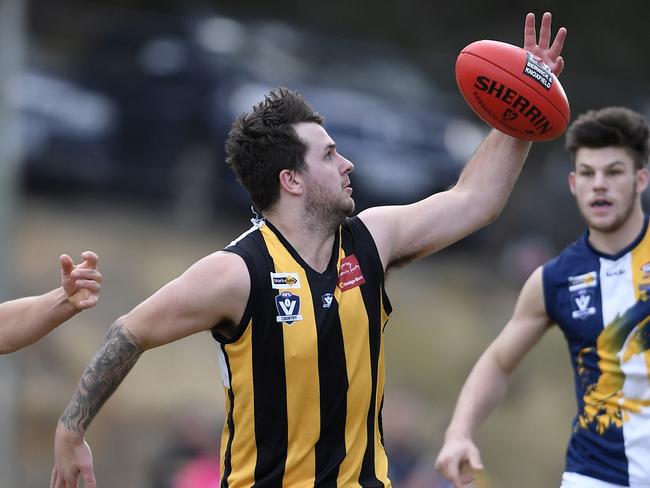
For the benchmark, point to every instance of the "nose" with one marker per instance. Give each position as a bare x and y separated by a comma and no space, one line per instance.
347,165
600,180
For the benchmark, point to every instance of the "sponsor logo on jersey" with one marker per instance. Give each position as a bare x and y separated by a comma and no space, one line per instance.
587,280
582,303
282,281
350,275
327,300
288,307
615,272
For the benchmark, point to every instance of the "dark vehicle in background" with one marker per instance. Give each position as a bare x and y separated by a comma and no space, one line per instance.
171,87
67,130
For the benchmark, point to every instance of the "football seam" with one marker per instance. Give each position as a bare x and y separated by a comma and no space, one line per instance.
529,86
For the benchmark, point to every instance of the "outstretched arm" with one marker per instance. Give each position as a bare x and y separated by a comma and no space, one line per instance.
407,232
213,290
26,320
487,383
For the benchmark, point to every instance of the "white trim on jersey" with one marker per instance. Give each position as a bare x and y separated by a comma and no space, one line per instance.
223,366
575,480
256,225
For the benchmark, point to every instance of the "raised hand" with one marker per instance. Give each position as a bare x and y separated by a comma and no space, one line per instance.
81,282
543,49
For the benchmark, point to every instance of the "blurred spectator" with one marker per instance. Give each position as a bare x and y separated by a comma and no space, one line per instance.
201,472
405,435
190,459
520,257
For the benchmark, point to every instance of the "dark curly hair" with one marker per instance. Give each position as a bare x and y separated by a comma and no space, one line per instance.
611,126
262,143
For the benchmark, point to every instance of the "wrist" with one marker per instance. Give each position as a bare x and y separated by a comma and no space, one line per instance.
65,303
458,432
64,434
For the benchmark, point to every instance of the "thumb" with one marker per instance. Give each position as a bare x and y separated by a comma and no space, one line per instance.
474,459
67,264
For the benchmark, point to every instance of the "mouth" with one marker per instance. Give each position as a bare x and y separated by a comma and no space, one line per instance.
600,203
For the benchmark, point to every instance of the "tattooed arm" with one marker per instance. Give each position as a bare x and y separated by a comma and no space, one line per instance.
213,290
109,366
111,363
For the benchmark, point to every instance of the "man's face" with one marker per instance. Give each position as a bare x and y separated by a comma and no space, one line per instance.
326,177
607,186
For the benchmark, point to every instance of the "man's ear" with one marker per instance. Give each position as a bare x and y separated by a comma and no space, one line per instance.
290,182
572,182
642,177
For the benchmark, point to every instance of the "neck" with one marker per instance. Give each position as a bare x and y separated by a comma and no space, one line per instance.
614,242
313,243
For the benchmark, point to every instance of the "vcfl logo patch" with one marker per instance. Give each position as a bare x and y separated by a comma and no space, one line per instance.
582,304
327,298
288,306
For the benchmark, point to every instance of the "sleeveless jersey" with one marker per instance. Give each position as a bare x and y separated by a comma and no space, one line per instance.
304,373
601,304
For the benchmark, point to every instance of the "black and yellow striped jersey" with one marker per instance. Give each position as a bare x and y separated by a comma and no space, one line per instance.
304,373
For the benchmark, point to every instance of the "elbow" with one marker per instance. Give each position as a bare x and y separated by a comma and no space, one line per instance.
135,335
7,349
492,213
481,205
7,346
486,214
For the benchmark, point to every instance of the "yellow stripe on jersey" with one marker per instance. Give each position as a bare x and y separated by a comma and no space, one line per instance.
357,356
243,452
354,324
301,352
381,460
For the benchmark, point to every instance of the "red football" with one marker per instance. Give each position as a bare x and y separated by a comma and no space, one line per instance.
512,90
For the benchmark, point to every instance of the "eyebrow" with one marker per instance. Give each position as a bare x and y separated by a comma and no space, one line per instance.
609,165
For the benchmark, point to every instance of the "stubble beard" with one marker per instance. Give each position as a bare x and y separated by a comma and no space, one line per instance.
619,220
323,213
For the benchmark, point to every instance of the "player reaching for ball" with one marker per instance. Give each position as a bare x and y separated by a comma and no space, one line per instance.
596,290
297,304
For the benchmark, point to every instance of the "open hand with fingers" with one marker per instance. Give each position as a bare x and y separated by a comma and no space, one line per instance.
543,49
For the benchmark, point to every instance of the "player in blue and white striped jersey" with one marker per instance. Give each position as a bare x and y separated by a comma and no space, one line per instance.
596,291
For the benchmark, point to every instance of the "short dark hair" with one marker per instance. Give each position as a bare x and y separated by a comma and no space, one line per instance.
611,126
262,143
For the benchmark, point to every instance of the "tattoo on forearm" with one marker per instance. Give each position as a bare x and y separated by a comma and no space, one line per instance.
108,367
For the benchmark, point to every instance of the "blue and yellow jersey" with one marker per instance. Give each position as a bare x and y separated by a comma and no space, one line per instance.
601,304
304,373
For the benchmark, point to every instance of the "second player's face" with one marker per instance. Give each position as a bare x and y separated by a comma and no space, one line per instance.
327,176
607,186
